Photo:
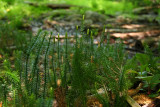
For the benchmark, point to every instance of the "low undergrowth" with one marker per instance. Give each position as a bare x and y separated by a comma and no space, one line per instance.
51,71
54,72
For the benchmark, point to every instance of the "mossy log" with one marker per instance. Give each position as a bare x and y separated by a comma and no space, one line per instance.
52,6
145,10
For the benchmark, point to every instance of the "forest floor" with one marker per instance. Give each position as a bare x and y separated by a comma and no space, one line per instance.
135,32
143,29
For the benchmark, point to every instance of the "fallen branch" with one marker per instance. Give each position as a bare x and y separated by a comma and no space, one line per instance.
144,10
132,102
52,6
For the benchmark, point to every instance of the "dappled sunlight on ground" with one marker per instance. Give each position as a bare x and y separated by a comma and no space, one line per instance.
137,35
132,26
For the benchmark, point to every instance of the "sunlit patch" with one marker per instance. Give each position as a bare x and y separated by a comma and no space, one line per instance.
133,26
8,10
142,99
137,35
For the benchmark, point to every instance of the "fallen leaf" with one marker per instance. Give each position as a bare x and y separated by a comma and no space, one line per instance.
1,104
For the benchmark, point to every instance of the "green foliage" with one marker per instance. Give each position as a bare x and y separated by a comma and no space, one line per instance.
144,2
9,1
155,80
12,36
82,67
145,67
8,80
90,68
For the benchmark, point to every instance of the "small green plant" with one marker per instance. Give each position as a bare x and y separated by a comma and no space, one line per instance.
9,80
12,38
145,66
